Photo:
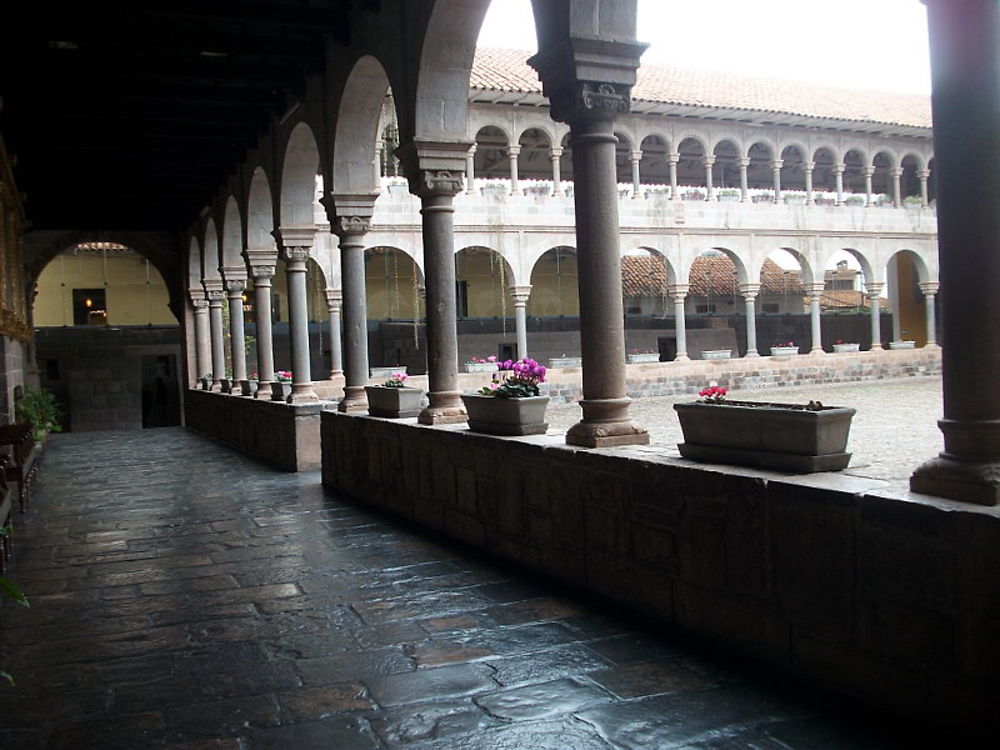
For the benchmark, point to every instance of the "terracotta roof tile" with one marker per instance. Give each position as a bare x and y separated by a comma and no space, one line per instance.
506,70
643,276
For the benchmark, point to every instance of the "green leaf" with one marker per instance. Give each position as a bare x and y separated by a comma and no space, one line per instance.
8,588
7,676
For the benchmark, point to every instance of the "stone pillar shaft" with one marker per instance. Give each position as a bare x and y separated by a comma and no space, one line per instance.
744,181
554,156
636,178
838,177
237,340
352,268
680,324
470,171
709,186
215,298
202,337
776,166
815,291
520,295
869,172
512,153
749,292
672,160
875,298
930,317
334,301
298,324
262,276
810,199
924,176
897,188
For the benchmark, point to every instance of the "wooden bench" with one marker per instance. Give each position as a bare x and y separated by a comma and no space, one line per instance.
6,510
18,444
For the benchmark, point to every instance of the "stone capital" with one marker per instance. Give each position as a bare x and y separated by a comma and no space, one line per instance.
555,152
777,164
744,162
873,289
749,291
211,285
263,272
895,172
868,171
351,226
199,305
334,299
814,289
434,168
473,149
678,292
299,237
514,149
839,168
709,161
674,157
235,287
296,253
636,157
929,288
923,174
216,296
233,273
581,99
809,166
520,294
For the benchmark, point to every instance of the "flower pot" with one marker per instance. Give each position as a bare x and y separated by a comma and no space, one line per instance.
716,353
557,362
280,391
902,344
206,384
769,436
506,416
784,351
643,358
846,348
386,371
393,403
480,366
226,385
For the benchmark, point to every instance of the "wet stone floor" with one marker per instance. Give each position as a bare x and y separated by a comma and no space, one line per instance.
183,596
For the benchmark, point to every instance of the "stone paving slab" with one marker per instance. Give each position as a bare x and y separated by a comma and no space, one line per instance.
185,597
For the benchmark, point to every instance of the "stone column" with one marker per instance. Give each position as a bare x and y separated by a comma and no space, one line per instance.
776,166
808,168
513,151
377,163
897,192
678,293
709,162
636,178
520,295
924,175
749,293
352,227
930,290
202,334
470,171
215,297
554,156
237,341
744,181
432,169
672,159
838,176
868,172
262,269
815,291
334,302
296,247
874,294
590,107
965,99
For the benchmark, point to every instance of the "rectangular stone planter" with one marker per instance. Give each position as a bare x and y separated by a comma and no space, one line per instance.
716,353
767,436
644,358
480,366
280,391
846,348
506,416
393,403
386,372
558,362
902,344
784,351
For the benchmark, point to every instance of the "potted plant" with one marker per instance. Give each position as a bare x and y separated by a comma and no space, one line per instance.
801,438
394,399
640,356
728,194
281,388
40,409
716,353
511,404
844,347
206,381
784,349
481,364
902,344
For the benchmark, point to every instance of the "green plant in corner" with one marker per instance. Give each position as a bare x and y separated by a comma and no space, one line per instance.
41,409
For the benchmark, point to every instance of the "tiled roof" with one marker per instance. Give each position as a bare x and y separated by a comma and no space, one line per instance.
506,70
643,276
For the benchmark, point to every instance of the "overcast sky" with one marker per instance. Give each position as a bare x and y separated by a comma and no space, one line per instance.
876,44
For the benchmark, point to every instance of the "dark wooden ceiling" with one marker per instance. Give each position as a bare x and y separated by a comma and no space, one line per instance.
130,114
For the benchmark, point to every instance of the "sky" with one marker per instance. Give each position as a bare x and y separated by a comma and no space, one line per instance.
872,44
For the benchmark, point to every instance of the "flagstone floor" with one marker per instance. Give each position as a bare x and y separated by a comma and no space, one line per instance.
183,596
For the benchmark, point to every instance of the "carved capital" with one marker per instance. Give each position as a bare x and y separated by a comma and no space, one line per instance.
262,272
215,297
749,291
296,253
744,162
923,174
199,305
334,299
809,166
815,290
777,164
235,286
929,288
709,161
555,153
432,182
352,226
873,289
868,171
520,294
514,149
580,99
839,168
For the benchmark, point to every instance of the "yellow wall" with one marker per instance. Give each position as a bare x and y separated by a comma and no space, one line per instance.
389,282
487,278
130,301
912,309
554,285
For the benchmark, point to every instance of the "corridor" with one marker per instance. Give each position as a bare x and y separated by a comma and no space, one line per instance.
183,596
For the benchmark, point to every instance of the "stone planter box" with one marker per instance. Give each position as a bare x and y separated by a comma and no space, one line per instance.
784,351
643,358
280,391
724,198
506,416
768,436
226,385
846,348
716,353
393,403
480,366
902,344
557,362
386,371
206,384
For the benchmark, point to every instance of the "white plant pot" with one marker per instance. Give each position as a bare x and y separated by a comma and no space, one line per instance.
902,344
557,362
716,353
846,348
506,416
386,371
644,358
480,366
784,351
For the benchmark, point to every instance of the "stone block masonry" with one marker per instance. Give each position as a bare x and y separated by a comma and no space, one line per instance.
883,595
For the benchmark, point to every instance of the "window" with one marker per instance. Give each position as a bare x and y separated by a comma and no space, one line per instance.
770,307
89,307
704,309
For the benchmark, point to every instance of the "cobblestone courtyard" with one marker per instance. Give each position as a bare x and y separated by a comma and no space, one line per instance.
894,430
186,597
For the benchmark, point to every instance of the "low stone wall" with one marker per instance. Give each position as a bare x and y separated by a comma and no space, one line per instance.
283,435
873,592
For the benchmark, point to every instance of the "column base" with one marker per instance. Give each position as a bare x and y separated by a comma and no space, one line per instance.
445,407
336,374
606,424
355,400
751,353
681,357
216,386
932,345
818,350
302,393
264,392
876,348
969,481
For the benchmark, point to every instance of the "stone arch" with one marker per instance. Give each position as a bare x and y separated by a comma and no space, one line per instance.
781,287
210,253
760,172
824,159
793,175
855,160
883,163
393,281
809,274
714,275
533,162
260,212
909,180
298,178
861,256
492,160
653,166
623,156
726,170
647,275
359,113
554,289
483,278
231,255
194,264
691,167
